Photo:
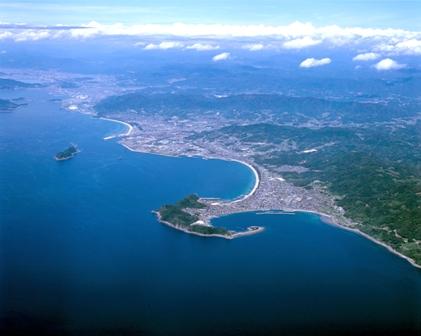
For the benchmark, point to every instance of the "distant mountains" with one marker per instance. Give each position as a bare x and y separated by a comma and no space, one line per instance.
277,107
11,84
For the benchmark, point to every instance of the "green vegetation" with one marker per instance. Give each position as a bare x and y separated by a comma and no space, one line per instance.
371,162
176,216
375,173
68,153
209,230
282,108
191,201
179,217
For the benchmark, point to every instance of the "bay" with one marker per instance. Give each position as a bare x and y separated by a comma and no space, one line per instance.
81,252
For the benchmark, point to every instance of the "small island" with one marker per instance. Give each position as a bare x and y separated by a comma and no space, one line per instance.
7,105
67,154
185,216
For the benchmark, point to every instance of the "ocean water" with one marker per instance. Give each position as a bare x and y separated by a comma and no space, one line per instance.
82,254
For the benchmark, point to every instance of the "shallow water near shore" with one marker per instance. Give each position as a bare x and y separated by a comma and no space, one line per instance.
81,252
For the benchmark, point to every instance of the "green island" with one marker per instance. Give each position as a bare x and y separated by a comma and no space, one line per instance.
181,215
67,154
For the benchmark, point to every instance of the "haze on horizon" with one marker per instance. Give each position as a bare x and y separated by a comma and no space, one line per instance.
383,13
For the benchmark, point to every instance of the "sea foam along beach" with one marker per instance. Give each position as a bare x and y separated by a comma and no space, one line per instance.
127,133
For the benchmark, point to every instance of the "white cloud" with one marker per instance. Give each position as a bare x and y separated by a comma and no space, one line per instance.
409,47
32,36
293,36
253,46
366,57
388,64
295,30
139,44
221,57
165,45
203,47
5,35
403,47
313,62
301,43
151,46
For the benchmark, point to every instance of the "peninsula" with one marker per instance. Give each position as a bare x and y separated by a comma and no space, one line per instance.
191,215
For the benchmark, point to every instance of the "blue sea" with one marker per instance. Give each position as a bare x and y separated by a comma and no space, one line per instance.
81,253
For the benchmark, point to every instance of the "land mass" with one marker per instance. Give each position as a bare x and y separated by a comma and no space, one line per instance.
347,149
7,105
67,154
11,84
189,215
330,171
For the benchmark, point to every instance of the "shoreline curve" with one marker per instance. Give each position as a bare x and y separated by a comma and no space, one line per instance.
327,219
127,133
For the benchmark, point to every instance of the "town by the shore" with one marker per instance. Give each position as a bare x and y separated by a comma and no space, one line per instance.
270,191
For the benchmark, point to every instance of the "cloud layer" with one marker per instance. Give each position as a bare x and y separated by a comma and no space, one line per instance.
314,62
164,45
221,57
388,64
371,56
254,46
297,35
301,43
202,47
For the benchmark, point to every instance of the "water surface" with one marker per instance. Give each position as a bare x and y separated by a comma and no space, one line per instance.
81,252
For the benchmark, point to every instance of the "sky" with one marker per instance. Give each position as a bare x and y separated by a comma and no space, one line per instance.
381,33
362,13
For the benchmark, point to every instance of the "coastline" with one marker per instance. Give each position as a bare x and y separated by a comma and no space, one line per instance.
256,181
129,128
214,235
253,169
378,242
327,219
237,199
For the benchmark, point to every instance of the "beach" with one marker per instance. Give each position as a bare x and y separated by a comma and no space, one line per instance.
129,129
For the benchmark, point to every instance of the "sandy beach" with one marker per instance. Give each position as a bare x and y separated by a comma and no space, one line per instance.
129,129
256,183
